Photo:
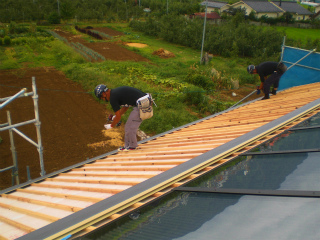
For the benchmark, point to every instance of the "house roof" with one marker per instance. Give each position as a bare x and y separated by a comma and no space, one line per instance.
214,4
293,7
212,15
262,6
97,191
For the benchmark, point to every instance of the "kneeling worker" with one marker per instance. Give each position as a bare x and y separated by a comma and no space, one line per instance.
270,74
121,99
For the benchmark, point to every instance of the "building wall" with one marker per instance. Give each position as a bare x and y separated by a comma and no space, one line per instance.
271,15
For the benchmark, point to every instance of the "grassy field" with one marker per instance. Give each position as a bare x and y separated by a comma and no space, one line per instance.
301,33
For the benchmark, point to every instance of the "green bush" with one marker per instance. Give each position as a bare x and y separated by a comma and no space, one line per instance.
2,33
7,40
200,80
193,95
54,18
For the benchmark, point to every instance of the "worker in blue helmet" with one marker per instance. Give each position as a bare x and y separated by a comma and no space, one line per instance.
270,74
121,99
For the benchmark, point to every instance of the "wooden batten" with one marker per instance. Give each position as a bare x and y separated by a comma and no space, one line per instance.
17,224
60,195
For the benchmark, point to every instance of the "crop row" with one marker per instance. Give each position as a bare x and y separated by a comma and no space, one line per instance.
89,32
89,52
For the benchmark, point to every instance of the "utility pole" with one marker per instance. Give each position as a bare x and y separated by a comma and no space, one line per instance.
58,8
204,32
167,6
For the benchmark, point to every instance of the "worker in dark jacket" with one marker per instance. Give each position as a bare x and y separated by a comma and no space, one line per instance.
121,99
270,74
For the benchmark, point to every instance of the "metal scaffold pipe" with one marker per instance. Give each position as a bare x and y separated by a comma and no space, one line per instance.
13,128
9,100
37,124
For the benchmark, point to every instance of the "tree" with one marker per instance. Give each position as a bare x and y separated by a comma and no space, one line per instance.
67,10
54,18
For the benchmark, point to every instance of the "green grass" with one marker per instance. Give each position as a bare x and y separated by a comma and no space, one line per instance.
300,33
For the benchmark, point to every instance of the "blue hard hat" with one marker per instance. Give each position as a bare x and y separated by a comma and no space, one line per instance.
250,68
99,90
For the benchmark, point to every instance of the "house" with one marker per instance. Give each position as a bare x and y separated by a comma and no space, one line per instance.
315,6
260,8
214,6
212,17
298,12
272,9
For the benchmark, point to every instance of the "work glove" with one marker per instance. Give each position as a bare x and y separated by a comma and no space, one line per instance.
111,117
258,90
107,126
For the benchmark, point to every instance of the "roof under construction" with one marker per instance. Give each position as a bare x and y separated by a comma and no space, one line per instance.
85,197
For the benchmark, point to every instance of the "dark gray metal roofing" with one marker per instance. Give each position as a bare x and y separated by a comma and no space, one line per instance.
214,4
262,6
293,7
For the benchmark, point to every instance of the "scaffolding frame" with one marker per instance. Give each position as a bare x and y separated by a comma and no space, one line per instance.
13,128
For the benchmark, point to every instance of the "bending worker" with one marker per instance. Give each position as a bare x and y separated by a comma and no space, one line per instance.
270,74
121,99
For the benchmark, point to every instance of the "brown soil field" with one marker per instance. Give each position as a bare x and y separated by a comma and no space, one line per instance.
71,123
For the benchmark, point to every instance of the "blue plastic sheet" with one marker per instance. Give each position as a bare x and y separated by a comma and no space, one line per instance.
301,69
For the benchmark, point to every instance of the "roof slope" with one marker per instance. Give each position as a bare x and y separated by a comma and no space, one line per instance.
96,192
214,4
293,7
262,6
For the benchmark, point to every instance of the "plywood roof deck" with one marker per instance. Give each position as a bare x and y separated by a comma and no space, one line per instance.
39,204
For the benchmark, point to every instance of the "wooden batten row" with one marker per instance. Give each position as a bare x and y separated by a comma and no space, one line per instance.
16,224
28,212
112,174
61,195
42,203
98,181
134,162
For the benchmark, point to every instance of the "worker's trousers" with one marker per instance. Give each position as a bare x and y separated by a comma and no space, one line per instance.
131,128
272,80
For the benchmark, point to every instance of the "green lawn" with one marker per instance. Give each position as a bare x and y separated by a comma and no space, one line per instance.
300,33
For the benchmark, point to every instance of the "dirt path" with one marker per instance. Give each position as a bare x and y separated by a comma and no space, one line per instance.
71,123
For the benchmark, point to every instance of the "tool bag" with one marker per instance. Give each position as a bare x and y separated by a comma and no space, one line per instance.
145,106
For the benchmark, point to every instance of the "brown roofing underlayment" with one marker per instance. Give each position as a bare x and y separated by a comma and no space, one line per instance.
123,181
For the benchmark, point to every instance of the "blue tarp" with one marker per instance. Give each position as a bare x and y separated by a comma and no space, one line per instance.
303,72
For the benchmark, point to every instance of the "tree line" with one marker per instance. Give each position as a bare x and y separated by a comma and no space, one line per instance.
110,10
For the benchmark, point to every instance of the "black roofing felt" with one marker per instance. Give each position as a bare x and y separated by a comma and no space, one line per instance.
293,7
262,6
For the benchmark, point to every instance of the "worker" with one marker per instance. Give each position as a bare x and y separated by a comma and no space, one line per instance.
270,74
121,99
